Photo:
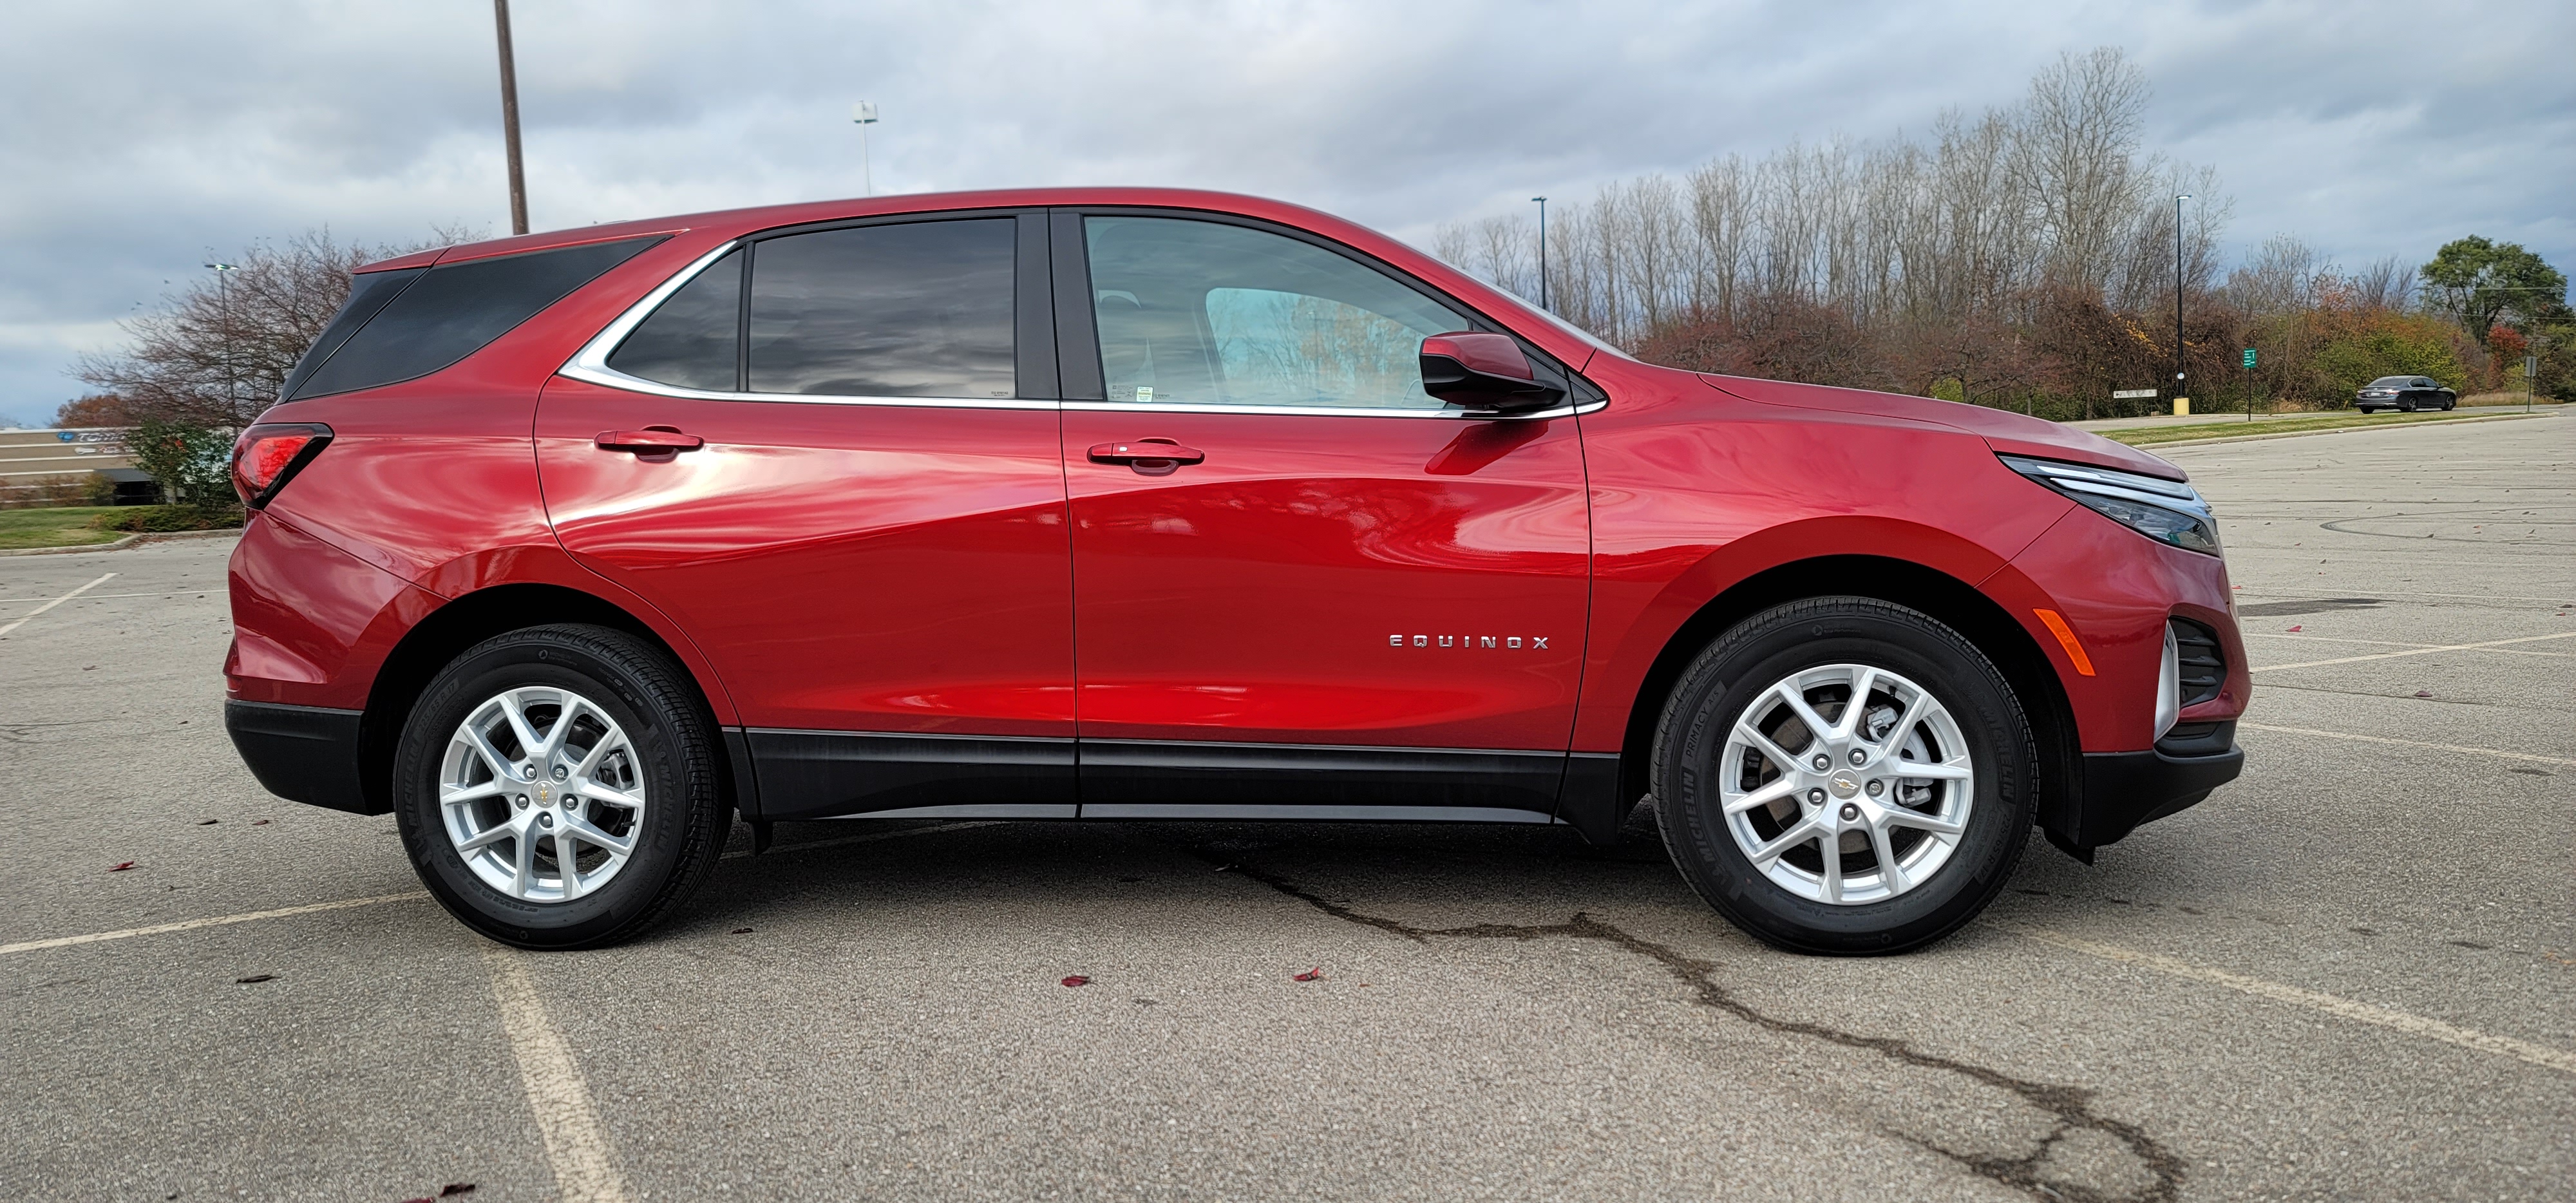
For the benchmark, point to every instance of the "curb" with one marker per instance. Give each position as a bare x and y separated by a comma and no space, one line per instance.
136,539
2151,448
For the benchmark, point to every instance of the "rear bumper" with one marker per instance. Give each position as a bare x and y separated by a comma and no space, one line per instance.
2125,789
303,754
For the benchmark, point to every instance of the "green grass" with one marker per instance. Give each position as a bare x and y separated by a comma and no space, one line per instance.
54,526
2139,436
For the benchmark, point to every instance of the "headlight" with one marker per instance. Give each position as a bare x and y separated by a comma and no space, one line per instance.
2161,510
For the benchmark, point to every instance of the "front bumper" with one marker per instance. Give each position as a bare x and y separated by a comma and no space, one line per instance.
2124,789
303,754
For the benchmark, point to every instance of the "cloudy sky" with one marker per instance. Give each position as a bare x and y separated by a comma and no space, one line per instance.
143,136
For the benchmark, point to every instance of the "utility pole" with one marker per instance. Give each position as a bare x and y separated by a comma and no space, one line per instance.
510,119
2181,399
224,318
864,113
1542,251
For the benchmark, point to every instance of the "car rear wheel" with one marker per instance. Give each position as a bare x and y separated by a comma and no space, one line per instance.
557,787
1843,775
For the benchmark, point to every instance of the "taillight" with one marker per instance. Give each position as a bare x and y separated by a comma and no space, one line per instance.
265,457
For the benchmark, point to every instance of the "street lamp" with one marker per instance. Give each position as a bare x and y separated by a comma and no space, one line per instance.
224,318
864,113
2178,365
1542,250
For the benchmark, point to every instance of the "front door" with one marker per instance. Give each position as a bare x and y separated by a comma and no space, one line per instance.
867,538
1299,580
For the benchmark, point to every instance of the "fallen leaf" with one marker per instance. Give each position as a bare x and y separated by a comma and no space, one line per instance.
1077,980
742,931
120,866
259,822
2295,628
1315,974
254,979
455,1188
2423,693
208,822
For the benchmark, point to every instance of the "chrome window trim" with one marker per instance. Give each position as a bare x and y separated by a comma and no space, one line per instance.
1187,407
590,365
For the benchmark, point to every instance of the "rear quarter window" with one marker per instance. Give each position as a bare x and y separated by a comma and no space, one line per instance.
440,315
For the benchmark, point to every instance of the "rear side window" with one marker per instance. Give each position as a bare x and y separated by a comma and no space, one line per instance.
453,310
695,339
920,309
368,293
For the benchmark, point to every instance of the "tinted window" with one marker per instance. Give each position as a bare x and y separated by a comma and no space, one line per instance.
693,340
368,293
1205,313
454,310
921,309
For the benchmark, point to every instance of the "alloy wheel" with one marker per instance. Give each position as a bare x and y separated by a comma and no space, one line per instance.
542,794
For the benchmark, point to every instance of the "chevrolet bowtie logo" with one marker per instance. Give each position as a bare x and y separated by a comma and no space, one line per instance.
1536,643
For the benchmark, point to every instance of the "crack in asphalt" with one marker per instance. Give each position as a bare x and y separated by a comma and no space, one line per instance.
2071,1106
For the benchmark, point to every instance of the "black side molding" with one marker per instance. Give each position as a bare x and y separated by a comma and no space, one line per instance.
827,774
305,754
1177,772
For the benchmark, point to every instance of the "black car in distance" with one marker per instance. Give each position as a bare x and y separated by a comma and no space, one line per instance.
2408,393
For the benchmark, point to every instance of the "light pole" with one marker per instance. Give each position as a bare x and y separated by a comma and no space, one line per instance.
2179,396
1542,250
224,319
864,113
510,119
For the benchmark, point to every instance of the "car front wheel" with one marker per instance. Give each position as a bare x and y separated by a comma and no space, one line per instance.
1843,775
557,787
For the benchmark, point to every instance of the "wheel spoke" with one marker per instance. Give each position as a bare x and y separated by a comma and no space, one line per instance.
600,793
598,750
1780,787
566,866
582,829
1890,876
502,769
1773,752
1910,817
450,795
1797,702
1921,771
1800,833
1905,722
486,838
1831,862
561,733
517,714
523,871
1858,705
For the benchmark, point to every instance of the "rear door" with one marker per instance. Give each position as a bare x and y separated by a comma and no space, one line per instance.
1336,591
865,531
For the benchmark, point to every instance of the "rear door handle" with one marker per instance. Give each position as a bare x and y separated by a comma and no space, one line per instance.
1152,457
652,440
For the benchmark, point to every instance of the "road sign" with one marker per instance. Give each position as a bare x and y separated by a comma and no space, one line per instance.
2131,394
2249,359
2530,365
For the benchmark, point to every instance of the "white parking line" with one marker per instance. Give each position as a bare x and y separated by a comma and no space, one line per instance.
22,621
2410,743
2360,1012
13,601
2421,651
193,924
346,903
567,1117
2430,647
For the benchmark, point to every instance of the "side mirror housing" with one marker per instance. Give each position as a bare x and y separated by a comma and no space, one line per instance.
1484,372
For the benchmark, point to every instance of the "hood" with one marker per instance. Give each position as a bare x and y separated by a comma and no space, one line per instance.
2002,430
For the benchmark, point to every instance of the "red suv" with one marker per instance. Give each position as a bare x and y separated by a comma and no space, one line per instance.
1145,504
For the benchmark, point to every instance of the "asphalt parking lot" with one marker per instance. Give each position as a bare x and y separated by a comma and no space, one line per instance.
2352,974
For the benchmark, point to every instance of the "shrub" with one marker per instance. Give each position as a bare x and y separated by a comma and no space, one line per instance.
165,518
192,462
2361,347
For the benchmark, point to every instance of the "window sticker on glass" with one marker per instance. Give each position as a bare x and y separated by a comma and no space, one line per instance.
1144,392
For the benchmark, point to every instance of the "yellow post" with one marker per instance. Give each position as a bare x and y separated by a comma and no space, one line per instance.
2182,407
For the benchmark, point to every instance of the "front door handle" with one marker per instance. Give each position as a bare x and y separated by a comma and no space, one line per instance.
652,440
1149,457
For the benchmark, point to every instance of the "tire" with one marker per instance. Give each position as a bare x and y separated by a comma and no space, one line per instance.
1937,888
633,728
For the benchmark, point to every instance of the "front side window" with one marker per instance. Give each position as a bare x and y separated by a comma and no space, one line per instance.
920,309
1197,312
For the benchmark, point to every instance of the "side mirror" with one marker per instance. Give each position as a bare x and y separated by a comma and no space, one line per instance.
1484,372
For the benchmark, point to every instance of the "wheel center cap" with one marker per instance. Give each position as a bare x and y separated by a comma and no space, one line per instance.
1843,783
